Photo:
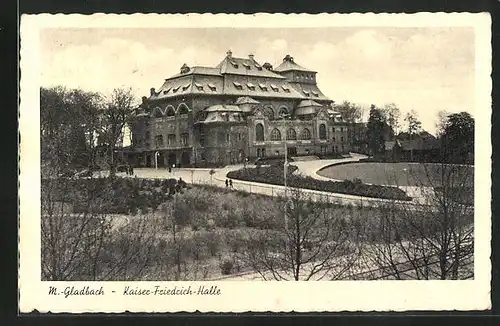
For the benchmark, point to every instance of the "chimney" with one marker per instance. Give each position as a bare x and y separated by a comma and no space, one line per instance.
144,99
250,56
152,91
184,69
268,66
229,54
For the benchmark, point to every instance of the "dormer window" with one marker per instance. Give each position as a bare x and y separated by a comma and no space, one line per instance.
199,86
237,85
315,93
263,87
166,91
306,93
234,64
258,67
212,87
285,88
275,88
246,65
175,89
185,87
251,86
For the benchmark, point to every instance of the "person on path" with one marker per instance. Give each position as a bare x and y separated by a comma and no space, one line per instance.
231,183
227,183
131,170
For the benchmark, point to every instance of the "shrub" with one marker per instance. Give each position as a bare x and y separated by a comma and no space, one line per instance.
226,267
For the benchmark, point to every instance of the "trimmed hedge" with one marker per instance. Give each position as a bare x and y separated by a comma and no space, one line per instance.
275,175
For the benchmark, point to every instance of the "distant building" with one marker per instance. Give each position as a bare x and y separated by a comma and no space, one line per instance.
236,110
422,149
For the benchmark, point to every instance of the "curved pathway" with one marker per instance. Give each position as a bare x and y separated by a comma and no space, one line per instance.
219,176
312,168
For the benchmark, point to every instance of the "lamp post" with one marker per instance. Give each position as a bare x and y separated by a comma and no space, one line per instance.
156,159
285,170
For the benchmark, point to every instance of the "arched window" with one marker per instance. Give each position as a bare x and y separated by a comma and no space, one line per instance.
157,112
259,132
275,135
291,134
170,111
182,109
283,112
269,111
306,134
322,131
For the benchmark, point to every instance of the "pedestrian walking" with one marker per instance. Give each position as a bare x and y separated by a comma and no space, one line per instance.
131,170
231,183
227,183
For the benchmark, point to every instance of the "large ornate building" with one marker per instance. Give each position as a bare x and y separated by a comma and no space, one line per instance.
239,109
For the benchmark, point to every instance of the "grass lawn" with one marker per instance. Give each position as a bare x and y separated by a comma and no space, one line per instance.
397,174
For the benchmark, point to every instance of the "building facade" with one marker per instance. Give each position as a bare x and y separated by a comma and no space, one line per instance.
239,109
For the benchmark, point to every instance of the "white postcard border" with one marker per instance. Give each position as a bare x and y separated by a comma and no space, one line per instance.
245,295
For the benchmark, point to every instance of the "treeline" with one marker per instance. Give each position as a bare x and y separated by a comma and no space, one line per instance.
454,131
80,129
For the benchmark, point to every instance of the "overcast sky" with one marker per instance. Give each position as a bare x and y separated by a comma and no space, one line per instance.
424,69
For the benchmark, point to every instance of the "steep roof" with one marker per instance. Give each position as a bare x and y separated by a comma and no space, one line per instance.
289,64
224,80
309,90
246,100
198,70
245,67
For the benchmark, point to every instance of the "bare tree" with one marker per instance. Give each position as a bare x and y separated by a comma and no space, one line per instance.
442,119
431,239
350,112
81,241
117,113
312,243
71,242
392,115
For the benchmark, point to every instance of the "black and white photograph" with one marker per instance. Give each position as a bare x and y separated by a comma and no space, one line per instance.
171,159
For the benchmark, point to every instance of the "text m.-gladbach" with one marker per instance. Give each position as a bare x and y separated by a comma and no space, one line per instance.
86,290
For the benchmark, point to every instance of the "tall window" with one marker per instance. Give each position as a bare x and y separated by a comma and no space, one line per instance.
306,134
171,139
322,131
291,134
159,140
275,135
259,132
184,139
